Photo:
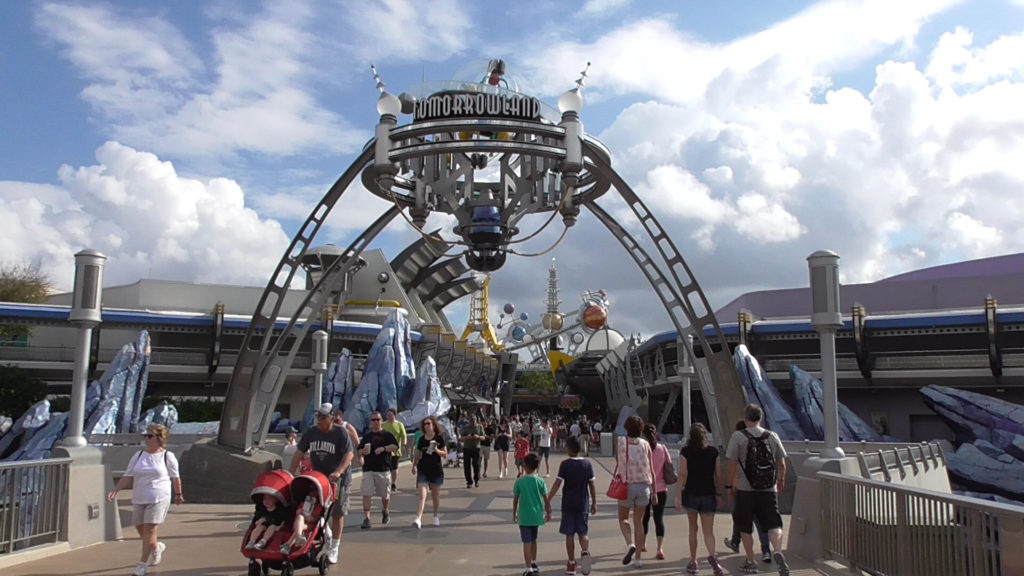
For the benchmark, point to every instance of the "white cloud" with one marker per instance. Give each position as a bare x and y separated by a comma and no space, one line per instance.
602,7
403,29
149,221
752,153
154,88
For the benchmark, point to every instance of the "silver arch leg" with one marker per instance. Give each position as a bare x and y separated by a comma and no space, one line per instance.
722,384
256,379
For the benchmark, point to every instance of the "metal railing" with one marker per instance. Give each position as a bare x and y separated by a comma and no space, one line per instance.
33,503
895,530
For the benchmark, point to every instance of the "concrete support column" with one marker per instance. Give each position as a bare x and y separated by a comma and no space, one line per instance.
86,314
826,319
319,365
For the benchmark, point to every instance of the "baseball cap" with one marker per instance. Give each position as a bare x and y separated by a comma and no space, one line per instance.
291,430
326,409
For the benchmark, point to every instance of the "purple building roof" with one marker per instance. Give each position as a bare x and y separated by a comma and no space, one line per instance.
950,286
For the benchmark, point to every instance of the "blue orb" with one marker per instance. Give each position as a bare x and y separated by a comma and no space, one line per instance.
518,333
509,308
524,316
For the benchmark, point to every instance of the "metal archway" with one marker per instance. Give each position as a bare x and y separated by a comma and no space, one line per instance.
432,165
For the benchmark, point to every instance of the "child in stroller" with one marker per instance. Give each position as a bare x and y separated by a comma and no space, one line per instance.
271,514
299,542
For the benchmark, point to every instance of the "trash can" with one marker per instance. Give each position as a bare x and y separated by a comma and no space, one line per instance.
607,444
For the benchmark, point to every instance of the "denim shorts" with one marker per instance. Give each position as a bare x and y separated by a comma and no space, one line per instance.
574,523
528,533
637,496
424,480
701,504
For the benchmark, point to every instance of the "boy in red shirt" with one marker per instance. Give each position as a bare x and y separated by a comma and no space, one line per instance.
521,450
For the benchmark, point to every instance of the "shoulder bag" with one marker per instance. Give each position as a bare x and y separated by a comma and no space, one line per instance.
668,470
618,489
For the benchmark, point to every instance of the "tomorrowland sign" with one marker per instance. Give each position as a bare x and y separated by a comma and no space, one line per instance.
477,105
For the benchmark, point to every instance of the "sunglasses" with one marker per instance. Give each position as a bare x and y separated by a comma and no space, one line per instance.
374,419
150,435
426,424
322,416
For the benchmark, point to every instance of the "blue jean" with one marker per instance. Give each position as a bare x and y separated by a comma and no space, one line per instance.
765,542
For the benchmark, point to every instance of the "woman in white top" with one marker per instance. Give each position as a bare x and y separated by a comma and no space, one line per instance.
634,463
152,474
544,443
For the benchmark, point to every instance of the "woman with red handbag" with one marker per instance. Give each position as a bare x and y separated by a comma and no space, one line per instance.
634,465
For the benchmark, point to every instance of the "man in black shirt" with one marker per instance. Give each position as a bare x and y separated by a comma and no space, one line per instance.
330,453
470,435
375,454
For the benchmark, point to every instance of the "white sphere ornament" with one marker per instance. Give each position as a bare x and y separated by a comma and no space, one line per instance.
571,101
389,104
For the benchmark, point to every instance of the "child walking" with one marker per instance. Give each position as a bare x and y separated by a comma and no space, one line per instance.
522,449
578,476
528,510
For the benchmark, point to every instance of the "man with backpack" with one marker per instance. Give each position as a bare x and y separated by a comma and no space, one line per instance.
759,454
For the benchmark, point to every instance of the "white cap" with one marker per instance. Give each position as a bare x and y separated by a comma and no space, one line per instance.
326,409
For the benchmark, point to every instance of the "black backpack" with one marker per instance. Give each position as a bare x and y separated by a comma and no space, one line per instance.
759,464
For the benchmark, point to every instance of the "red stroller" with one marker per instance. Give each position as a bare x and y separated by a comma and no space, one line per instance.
293,492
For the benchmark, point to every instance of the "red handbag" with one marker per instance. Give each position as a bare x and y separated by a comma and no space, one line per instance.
619,490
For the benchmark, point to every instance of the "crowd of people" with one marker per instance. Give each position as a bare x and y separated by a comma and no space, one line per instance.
645,469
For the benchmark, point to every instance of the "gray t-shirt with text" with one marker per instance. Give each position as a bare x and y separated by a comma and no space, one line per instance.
326,450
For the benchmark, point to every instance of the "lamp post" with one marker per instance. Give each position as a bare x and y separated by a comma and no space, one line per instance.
684,367
826,319
319,365
86,314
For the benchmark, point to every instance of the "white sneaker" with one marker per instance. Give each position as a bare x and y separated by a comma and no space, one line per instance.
332,553
157,556
140,569
437,521
417,523
638,563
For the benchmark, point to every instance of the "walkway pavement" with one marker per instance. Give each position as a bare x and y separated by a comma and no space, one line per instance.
476,537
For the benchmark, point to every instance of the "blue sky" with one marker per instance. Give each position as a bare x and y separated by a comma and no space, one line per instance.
189,140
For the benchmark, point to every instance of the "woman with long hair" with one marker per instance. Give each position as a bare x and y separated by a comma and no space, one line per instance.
657,509
699,492
428,467
634,461
152,473
502,443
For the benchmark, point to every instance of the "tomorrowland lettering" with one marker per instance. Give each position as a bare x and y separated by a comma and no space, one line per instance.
475,104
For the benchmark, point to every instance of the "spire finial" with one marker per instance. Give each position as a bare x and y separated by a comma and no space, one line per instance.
376,78
582,80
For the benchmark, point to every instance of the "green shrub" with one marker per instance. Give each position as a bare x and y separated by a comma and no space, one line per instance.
19,390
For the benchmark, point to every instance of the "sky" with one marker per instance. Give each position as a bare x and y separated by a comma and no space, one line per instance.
190,140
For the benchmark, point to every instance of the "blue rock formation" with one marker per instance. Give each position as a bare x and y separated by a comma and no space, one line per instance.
990,433
138,380
388,373
41,443
427,397
24,428
982,467
972,415
778,417
405,369
112,405
337,388
103,420
164,414
809,401
341,377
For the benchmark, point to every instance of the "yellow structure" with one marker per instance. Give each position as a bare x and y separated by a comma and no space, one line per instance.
479,318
